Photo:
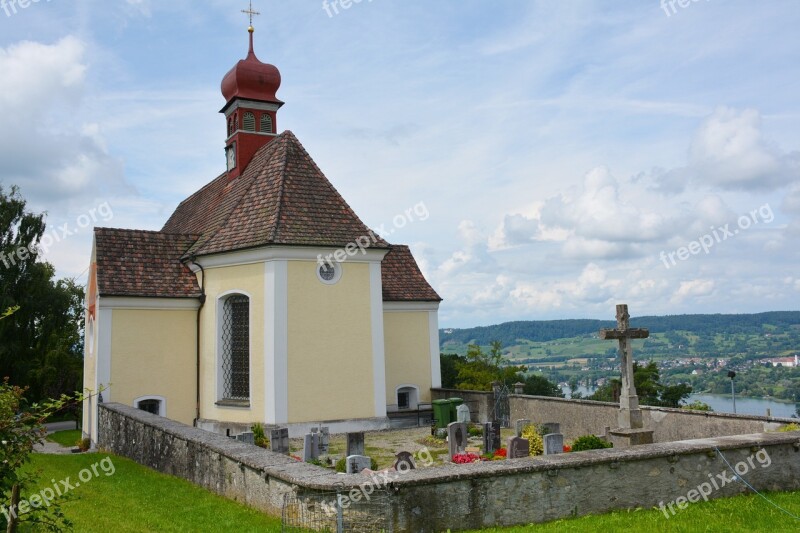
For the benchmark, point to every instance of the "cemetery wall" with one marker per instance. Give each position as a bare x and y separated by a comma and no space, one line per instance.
581,417
480,403
456,497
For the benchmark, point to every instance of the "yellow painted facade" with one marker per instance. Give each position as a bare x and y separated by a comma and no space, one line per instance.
330,363
248,280
408,359
153,354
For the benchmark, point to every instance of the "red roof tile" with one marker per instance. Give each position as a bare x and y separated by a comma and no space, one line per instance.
282,198
402,279
143,263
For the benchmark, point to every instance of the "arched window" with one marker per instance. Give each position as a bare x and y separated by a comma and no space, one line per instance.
407,397
249,122
266,123
152,404
230,127
235,347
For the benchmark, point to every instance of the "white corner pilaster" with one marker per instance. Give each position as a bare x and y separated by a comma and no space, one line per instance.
433,329
276,345
378,347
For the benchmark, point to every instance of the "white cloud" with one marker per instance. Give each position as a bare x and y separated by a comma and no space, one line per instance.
46,147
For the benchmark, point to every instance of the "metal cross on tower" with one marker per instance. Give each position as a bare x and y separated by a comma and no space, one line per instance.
250,12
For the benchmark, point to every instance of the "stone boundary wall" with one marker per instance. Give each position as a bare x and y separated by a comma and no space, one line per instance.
480,403
510,492
579,417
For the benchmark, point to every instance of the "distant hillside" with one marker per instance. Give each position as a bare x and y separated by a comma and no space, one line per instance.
512,333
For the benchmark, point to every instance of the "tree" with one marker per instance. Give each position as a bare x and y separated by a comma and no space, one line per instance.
536,385
449,367
41,343
481,369
22,426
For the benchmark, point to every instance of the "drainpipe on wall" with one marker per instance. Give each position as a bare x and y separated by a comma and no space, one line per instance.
202,299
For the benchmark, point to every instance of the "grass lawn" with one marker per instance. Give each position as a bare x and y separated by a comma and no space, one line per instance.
747,513
67,438
137,499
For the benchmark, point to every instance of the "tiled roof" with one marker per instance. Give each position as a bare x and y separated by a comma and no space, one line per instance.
282,198
402,279
143,263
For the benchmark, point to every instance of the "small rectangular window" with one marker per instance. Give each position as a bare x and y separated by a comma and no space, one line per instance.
402,400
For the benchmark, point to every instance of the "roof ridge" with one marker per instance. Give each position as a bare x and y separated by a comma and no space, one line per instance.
251,181
282,187
151,231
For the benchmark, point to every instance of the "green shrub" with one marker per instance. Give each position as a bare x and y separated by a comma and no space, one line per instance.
259,437
341,464
697,406
475,430
589,442
535,441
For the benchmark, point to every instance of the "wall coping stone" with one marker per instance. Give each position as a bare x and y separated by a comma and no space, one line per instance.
313,477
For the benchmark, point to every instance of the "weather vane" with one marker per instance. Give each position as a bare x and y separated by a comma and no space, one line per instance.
250,12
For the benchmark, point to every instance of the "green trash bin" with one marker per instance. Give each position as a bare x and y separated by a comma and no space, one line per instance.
441,412
454,402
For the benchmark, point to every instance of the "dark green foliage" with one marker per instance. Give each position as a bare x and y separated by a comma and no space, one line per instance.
536,385
589,442
41,343
449,365
649,388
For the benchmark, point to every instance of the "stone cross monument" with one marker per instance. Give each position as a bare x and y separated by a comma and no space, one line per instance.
631,428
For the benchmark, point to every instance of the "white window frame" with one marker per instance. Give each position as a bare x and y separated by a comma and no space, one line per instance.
162,405
413,396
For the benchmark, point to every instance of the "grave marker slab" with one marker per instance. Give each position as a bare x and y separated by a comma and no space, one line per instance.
456,438
323,441
491,437
355,443
463,414
310,446
553,443
520,425
404,462
357,463
518,448
246,437
279,440
551,427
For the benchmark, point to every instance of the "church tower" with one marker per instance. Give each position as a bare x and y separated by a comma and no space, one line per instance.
250,110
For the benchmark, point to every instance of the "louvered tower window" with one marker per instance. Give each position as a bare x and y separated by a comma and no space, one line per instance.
266,123
249,122
236,347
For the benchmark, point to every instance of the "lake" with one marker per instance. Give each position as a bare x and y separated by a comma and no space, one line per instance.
722,403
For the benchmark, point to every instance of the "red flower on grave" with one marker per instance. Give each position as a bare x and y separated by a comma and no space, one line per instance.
465,458
502,452
567,448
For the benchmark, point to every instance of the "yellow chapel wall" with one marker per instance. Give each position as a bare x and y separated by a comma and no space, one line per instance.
249,280
330,365
153,354
408,353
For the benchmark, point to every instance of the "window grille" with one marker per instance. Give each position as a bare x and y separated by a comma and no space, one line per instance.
266,123
236,348
249,122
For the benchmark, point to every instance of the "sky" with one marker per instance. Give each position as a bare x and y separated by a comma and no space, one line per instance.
543,159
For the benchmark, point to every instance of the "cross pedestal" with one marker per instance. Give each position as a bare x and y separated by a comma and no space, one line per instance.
631,430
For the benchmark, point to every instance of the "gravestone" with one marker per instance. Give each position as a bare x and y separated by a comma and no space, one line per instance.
553,443
491,437
551,427
355,443
247,437
520,425
323,441
357,463
279,440
404,462
310,446
631,426
463,414
456,438
518,448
